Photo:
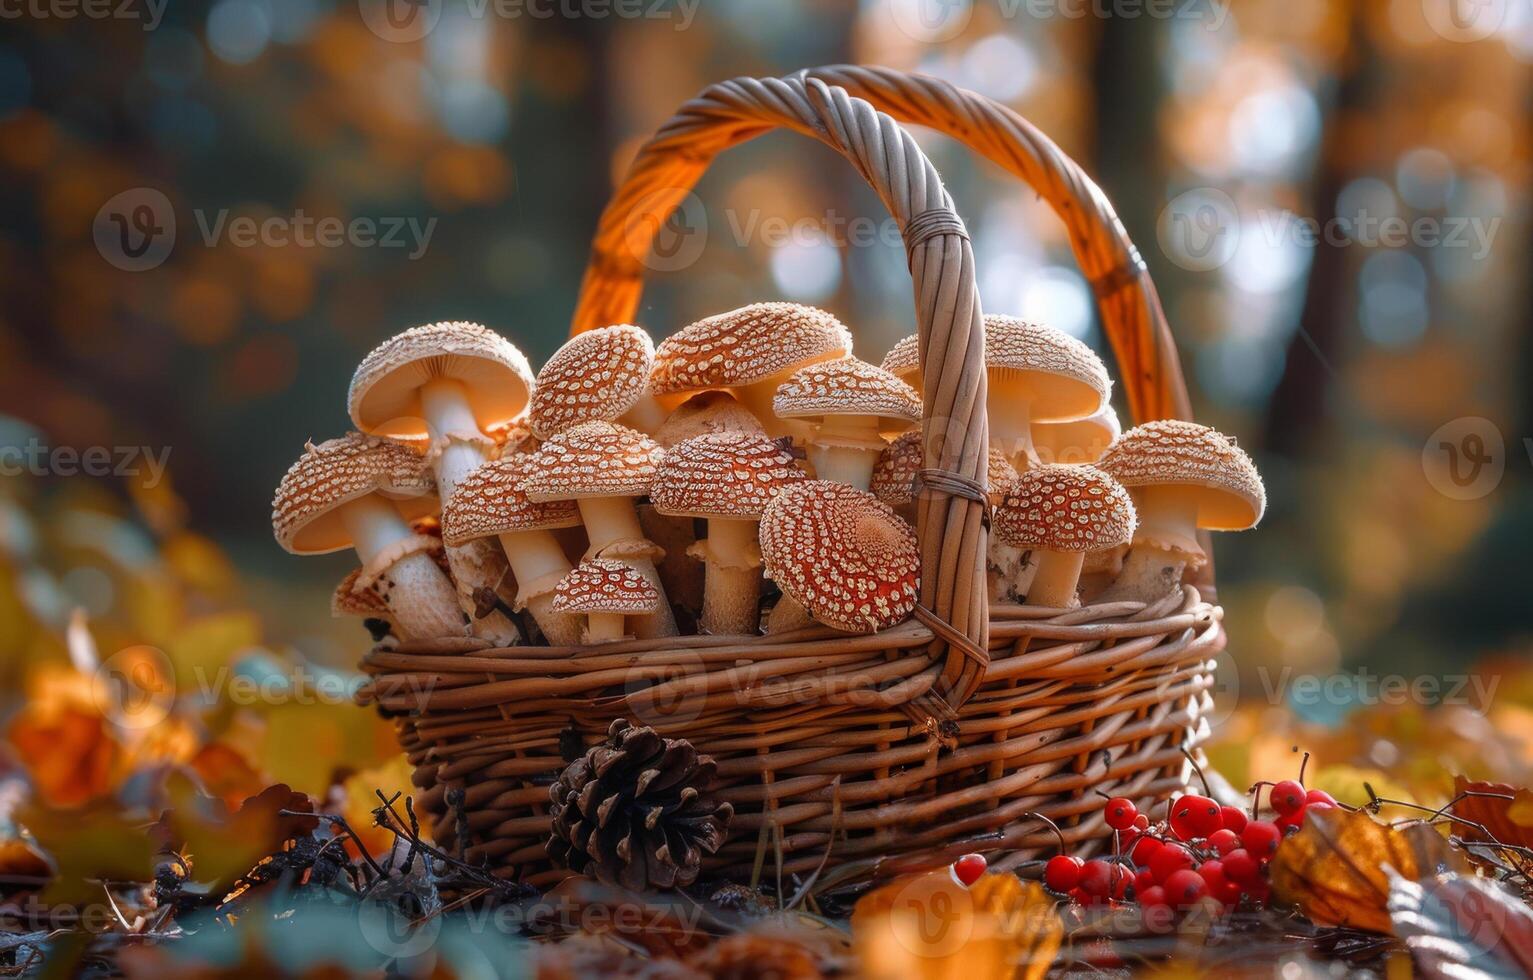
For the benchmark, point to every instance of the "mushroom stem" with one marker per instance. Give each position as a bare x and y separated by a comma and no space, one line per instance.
757,399
647,415
1011,428
604,627
845,449
732,589
609,520
1168,517
1150,573
1054,583
539,563
788,615
422,599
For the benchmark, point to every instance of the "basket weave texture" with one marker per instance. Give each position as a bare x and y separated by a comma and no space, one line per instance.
886,751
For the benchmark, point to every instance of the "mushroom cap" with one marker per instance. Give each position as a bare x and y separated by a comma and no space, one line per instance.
1054,507
895,473
705,412
848,386
385,392
493,500
732,475
1219,477
338,471
593,459
605,585
842,554
597,376
349,600
745,346
1082,441
904,361
1059,377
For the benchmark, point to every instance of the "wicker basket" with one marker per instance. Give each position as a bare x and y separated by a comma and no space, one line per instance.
941,735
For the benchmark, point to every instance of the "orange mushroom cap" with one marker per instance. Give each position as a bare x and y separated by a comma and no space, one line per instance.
493,500
605,585
745,346
596,376
593,459
731,475
1055,507
1218,475
848,386
338,471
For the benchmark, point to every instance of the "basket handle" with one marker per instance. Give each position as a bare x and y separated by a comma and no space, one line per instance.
951,514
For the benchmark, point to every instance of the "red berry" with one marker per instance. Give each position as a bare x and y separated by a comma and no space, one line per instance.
1063,872
1212,873
1228,893
1240,867
1141,822
969,867
1224,841
1319,796
1096,878
1121,880
1144,850
1079,896
1184,887
1120,813
1289,823
1287,796
1194,816
1152,897
1261,838
1144,880
1234,818
1170,858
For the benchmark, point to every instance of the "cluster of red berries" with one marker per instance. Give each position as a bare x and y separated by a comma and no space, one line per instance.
1201,850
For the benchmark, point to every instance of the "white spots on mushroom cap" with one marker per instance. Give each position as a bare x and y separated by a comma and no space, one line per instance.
842,554
722,474
493,500
338,470
846,386
1055,507
593,459
596,376
1014,344
746,345
1172,452
605,585
904,361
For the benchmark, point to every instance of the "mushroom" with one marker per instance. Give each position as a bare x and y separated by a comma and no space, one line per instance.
840,556
448,383
705,412
894,475
853,406
749,352
728,479
607,592
1183,477
1082,441
600,375
603,466
1037,374
1060,513
360,492
492,502
354,598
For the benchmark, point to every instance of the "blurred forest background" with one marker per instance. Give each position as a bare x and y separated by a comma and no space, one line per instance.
1344,364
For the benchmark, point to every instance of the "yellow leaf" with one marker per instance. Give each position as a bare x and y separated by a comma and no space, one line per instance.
393,776
933,928
204,650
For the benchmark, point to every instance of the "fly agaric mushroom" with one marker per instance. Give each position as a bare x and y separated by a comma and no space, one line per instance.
904,361
1081,441
600,375
1061,512
603,466
492,502
606,592
728,479
840,557
705,412
1037,374
894,476
448,383
853,406
353,597
749,352
360,492
1183,477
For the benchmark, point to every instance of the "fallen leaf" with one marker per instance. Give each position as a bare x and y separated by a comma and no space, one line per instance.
1496,813
226,773
1461,926
68,749
219,844
88,845
1333,868
930,926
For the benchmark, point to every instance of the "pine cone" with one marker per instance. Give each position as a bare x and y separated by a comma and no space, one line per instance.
631,812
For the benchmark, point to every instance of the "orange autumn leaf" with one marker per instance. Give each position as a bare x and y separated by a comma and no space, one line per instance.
1497,812
1333,868
931,927
226,774
68,750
